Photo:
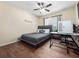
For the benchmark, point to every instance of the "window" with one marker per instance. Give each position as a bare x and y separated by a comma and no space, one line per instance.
53,21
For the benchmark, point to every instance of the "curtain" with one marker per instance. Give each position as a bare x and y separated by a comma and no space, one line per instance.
53,21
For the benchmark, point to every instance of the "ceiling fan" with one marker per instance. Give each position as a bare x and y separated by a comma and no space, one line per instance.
42,6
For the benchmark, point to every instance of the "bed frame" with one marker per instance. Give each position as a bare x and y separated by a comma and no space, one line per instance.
31,40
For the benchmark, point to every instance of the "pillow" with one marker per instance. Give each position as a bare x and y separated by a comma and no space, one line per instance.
41,31
46,30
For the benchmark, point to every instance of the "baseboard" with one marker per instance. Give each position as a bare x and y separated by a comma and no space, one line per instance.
8,43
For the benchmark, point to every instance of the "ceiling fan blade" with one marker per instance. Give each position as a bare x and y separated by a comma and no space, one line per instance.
47,10
36,9
38,3
49,5
42,3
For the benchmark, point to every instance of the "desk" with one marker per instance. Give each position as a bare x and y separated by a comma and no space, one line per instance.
66,35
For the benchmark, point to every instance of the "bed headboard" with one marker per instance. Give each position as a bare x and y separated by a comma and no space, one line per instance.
46,27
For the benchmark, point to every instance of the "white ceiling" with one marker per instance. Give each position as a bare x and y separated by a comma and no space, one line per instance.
30,5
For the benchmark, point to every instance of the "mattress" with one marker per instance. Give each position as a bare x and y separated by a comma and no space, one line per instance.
35,38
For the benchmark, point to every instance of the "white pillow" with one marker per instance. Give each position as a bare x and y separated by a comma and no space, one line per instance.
46,30
41,31
38,30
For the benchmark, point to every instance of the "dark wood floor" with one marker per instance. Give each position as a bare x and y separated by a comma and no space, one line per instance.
21,49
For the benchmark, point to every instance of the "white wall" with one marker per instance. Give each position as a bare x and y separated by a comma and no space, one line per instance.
14,22
67,14
40,21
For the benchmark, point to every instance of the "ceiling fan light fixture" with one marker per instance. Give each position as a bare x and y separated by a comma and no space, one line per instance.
42,10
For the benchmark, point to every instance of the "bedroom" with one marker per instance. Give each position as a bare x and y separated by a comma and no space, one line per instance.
19,17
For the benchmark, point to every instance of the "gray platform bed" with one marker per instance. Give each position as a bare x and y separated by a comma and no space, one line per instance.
36,38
